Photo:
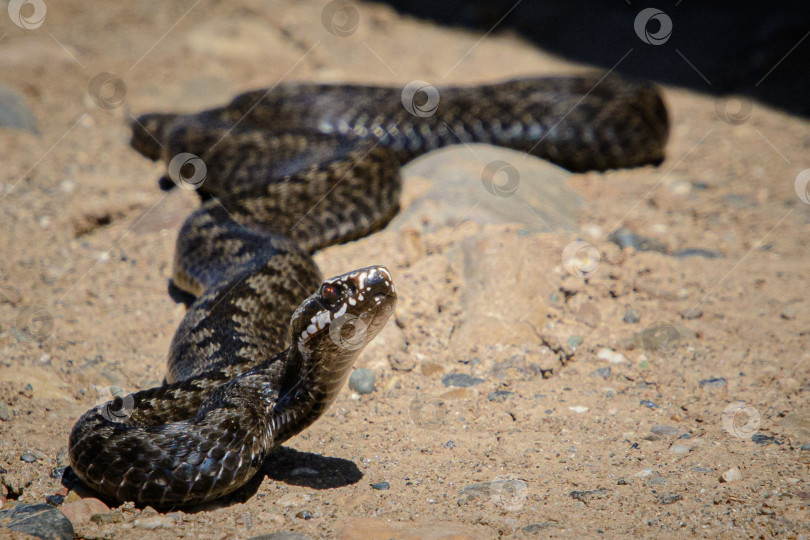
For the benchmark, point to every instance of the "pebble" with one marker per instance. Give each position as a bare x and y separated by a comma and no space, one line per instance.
679,449
648,403
461,380
381,486
535,528
680,188
759,438
156,522
575,341
804,454
282,535
701,469
643,473
82,510
362,381
611,356
54,500
500,395
665,431
28,457
698,252
624,238
107,518
5,413
731,475
717,382
584,496
579,409
691,314
304,514
656,481
789,312
39,520
671,498
15,113
631,316
603,372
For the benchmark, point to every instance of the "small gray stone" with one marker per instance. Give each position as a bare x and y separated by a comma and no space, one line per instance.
500,395
5,414
631,316
15,113
584,496
717,382
764,439
679,449
624,238
362,381
698,252
671,498
804,454
665,431
381,486
282,535
40,520
575,341
28,457
535,528
656,481
603,372
693,313
461,380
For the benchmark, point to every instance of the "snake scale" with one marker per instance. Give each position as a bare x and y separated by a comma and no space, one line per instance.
266,342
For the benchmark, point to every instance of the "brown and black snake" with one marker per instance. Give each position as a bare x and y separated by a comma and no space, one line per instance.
266,343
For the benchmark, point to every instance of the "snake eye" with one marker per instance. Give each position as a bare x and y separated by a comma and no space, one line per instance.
330,293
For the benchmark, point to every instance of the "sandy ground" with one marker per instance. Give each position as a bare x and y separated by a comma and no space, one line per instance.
88,240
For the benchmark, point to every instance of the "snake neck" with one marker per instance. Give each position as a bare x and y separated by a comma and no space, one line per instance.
308,388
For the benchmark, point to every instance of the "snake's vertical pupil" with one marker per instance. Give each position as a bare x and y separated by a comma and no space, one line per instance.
330,293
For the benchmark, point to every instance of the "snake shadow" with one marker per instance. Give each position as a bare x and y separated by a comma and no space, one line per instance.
285,465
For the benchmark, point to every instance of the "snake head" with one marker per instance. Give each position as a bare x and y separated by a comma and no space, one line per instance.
346,313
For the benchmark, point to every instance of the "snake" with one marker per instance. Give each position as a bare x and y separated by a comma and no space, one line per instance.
266,343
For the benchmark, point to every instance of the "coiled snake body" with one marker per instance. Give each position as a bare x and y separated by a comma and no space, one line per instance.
266,344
